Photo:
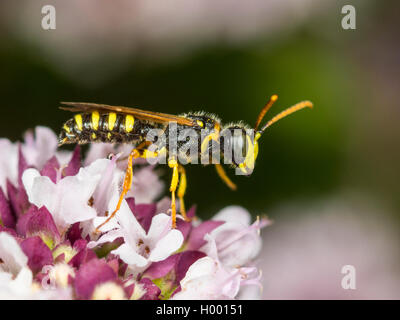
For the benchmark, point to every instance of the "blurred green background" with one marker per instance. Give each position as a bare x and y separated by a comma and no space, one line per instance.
348,143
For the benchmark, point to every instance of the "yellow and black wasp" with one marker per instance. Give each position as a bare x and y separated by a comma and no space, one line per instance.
117,124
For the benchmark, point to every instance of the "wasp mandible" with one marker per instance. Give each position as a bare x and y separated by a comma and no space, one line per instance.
117,124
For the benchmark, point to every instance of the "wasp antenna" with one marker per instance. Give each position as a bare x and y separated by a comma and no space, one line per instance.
265,110
285,113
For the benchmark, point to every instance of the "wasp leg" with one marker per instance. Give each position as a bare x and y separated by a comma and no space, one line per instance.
126,186
174,183
181,192
141,147
222,174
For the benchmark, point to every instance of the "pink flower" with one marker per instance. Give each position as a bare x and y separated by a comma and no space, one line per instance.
237,241
51,207
140,248
39,147
208,278
70,195
8,163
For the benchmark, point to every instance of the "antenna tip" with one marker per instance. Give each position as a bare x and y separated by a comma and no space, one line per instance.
309,104
274,97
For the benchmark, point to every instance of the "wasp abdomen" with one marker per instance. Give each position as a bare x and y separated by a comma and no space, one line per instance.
102,127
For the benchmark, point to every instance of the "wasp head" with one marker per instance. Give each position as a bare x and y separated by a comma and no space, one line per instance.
240,147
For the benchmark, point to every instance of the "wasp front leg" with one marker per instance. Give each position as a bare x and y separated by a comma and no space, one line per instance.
222,174
126,186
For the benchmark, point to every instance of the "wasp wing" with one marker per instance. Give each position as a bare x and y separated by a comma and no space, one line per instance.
138,113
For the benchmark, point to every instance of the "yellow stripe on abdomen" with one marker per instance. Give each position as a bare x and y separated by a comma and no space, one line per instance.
95,120
112,118
129,122
67,129
79,122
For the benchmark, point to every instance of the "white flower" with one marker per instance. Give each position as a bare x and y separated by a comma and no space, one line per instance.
15,276
37,149
208,278
40,147
67,200
16,288
237,240
107,190
140,249
8,163
11,254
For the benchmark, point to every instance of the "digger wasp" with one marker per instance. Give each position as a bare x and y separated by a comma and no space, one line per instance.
124,125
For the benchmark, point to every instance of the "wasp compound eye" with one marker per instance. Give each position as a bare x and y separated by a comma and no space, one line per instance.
234,145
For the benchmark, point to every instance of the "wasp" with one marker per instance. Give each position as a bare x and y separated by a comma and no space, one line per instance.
123,125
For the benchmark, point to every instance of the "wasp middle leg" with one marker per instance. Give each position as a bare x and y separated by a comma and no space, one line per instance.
181,191
173,164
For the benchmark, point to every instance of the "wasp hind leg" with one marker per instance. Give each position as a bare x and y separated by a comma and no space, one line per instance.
126,186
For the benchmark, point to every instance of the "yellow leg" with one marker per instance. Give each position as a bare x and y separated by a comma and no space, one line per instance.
174,183
126,186
222,174
181,192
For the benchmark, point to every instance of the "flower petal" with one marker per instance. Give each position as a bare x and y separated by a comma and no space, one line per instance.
130,256
14,259
8,163
152,291
167,245
74,164
22,166
107,237
6,217
82,257
38,253
235,214
18,199
160,224
41,223
74,233
162,268
145,213
196,237
50,169
186,259
39,148
90,275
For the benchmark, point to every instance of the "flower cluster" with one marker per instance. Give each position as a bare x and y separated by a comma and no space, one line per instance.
51,203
